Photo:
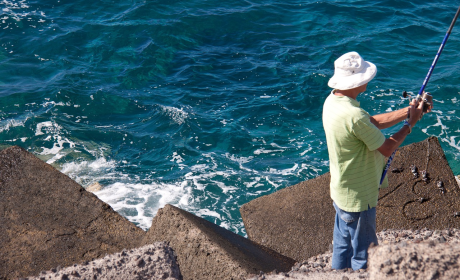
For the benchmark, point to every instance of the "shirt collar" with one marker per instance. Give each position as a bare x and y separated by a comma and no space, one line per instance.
352,101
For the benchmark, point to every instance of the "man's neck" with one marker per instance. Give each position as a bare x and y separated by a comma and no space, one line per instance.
352,93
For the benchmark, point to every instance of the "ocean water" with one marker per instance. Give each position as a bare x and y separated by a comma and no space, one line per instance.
208,104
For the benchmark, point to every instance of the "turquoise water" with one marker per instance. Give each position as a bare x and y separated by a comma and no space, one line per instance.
207,105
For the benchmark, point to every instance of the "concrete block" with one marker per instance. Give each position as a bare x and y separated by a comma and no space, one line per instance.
48,220
298,221
207,251
410,202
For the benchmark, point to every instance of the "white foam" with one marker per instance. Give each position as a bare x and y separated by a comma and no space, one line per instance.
274,145
438,123
53,132
287,171
202,178
57,147
50,125
306,151
5,125
254,183
209,213
177,158
315,168
87,166
226,189
177,115
382,93
452,143
238,159
264,151
199,167
271,183
19,10
145,199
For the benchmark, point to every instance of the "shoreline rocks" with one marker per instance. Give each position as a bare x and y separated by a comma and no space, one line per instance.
289,220
47,221
382,263
426,242
207,251
153,261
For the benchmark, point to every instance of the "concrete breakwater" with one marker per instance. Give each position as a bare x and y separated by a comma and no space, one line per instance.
47,221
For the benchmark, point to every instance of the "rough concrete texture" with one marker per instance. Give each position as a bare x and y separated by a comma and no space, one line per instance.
298,221
46,219
207,251
411,203
427,260
319,267
154,261
330,275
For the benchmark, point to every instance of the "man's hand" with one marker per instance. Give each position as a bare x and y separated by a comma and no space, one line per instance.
414,114
390,144
416,111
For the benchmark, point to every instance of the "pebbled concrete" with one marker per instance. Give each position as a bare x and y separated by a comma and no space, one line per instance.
426,260
154,261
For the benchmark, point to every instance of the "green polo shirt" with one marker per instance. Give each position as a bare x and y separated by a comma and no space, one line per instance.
355,163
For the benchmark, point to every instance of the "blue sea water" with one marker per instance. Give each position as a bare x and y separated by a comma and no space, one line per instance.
208,104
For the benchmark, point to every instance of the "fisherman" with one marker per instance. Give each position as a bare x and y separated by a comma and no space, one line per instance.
357,150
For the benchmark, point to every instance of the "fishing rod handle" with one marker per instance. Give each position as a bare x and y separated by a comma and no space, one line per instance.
387,166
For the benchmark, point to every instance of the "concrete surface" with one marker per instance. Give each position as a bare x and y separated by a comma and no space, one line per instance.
47,219
298,221
207,251
154,261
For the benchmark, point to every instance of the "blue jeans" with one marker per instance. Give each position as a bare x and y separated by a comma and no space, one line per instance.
353,233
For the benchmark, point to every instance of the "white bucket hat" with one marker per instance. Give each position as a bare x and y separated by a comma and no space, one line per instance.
351,71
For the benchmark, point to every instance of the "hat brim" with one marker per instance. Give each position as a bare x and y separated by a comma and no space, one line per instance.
355,80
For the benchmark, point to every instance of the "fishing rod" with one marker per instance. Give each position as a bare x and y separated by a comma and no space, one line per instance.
422,95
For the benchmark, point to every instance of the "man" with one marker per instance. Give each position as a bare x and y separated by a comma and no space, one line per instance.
357,150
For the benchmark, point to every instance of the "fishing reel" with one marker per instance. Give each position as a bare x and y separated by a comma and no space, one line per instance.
427,99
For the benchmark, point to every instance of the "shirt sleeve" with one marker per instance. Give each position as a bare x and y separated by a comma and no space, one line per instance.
368,133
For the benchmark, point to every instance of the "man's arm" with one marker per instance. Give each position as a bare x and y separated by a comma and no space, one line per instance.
397,139
394,141
386,120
